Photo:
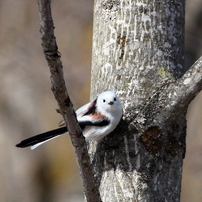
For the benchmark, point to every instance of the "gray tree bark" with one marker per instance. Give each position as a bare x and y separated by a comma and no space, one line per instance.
138,51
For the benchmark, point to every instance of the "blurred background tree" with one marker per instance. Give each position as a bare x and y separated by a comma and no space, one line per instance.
27,105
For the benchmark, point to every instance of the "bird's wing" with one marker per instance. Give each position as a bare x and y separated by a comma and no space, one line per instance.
88,115
85,109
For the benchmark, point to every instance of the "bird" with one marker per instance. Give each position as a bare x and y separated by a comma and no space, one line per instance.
96,119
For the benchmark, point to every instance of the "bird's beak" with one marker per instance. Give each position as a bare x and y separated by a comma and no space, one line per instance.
111,103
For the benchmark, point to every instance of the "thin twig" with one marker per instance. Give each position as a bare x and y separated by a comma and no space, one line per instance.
61,95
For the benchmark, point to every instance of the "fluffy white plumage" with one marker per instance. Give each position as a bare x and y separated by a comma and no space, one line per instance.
97,119
107,109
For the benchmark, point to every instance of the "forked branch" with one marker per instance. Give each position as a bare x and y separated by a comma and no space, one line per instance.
172,98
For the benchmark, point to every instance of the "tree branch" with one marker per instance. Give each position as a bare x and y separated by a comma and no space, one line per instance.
172,98
187,87
52,56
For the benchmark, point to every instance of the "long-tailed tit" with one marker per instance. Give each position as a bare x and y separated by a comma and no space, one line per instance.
96,119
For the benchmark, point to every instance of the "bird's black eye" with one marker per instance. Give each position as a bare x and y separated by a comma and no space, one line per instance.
104,100
114,99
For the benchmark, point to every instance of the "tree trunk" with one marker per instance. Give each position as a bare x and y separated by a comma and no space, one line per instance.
138,52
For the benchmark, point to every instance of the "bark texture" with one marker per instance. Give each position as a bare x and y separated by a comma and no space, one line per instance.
138,52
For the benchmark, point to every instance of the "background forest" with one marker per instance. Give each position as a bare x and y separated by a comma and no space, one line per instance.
27,105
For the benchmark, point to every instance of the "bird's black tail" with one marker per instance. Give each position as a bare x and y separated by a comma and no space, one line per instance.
41,137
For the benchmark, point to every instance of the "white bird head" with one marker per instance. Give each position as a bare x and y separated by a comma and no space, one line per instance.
109,102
